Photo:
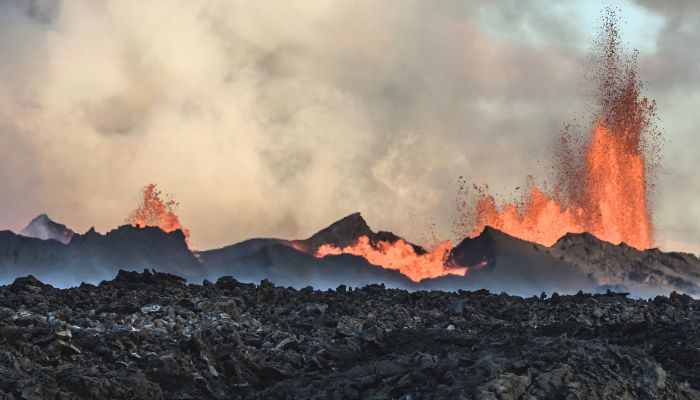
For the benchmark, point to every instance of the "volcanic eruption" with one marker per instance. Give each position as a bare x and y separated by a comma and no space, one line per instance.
602,179
602,184
154,211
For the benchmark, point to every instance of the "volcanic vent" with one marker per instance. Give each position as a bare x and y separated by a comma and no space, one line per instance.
603,177
155,211
602,181
352,235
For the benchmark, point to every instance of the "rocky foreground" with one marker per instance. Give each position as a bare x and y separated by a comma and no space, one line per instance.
152,336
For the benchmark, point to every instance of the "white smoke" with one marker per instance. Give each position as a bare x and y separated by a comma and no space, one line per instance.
271,118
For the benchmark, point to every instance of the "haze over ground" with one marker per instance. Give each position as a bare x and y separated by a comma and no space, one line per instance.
272,121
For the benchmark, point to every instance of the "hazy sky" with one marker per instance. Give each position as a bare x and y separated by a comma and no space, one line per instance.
269,118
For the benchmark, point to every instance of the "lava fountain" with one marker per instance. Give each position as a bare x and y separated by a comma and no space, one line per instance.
603,179
154,211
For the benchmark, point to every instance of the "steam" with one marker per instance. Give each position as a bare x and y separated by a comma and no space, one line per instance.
270,120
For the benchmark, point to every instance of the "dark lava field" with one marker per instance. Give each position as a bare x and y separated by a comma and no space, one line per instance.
152,336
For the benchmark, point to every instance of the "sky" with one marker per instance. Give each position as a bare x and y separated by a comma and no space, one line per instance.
277,118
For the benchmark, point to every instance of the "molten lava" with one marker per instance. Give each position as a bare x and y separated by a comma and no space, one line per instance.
614,206
154,211
603,186
400,256
602,182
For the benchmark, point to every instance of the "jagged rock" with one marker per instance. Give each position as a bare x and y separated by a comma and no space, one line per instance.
236,340
67,348
29,281
496,261
457,307
150,308
65,335
645,272
350,326
503,387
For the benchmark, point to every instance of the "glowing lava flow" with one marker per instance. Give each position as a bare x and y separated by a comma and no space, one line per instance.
154,211
400,256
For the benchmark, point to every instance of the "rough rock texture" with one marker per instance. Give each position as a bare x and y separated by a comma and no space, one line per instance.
497,261
511,265
622,266
152,336
92,256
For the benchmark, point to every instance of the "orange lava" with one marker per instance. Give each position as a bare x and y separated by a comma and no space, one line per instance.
604,176
613,205
400,256
617,206
154,211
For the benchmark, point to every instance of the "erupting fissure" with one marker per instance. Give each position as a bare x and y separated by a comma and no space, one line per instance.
612,206
154,211
400,256
603,180
602,184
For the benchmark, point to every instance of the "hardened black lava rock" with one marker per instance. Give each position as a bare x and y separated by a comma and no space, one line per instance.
152,336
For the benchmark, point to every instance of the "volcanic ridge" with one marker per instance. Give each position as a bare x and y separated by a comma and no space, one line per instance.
492,260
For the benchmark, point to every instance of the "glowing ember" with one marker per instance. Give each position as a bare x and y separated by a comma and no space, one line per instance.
400,256
154,211
603,186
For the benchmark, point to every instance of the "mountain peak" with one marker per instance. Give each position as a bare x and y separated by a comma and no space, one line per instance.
44,228
341,233
346,231
353,223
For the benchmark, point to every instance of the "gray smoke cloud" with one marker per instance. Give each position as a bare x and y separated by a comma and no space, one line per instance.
673,80
276,118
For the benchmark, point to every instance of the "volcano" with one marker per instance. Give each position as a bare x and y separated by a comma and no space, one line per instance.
493,260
